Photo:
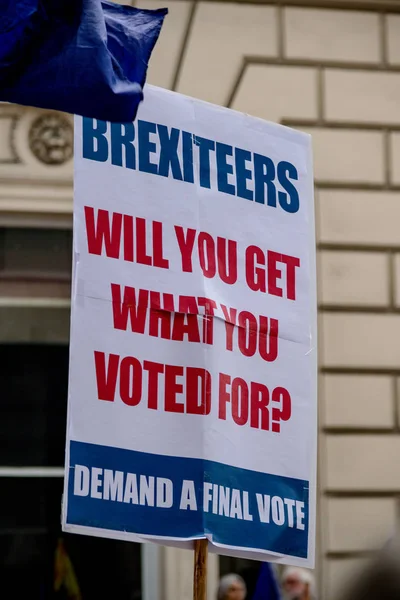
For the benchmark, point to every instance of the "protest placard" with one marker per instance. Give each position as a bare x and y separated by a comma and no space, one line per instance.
192,390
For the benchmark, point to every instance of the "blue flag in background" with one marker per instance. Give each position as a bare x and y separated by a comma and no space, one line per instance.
267,587
79,56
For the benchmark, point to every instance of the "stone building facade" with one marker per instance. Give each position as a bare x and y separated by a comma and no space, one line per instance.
328,67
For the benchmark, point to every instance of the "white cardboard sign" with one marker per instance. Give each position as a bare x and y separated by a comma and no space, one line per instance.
192,390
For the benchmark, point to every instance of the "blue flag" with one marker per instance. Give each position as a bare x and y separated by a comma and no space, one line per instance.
267,587
87,57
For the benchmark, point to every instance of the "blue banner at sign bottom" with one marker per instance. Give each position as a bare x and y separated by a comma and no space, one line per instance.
166,496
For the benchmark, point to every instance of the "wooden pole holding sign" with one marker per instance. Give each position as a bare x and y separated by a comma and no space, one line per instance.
200,570
307,595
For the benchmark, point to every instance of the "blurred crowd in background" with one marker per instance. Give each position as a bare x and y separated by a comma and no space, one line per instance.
379,579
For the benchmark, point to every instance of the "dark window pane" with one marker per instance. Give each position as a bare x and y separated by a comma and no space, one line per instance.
33,404
30,504
29,533
36,251
34,325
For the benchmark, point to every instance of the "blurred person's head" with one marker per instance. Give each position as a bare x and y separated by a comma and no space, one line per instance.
297,583
379,579
232,587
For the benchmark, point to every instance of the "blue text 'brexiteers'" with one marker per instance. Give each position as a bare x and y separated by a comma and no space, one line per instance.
169,152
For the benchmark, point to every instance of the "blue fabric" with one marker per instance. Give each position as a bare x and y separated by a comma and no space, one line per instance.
87,57
267,586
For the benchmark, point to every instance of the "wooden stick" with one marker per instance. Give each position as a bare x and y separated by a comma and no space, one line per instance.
200,570
307,595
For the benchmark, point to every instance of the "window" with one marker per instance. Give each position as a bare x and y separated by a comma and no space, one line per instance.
40,252
34,380
35,263
35,277
29,534
34,385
